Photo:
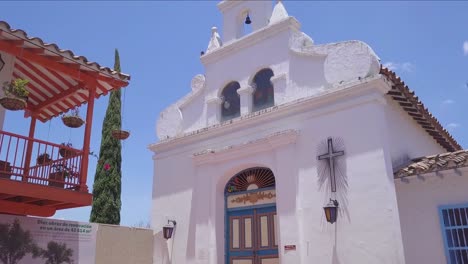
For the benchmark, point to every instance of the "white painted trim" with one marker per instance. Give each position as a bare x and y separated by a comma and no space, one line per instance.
245,90
334,99
224,5
249,40
248,148
214,100
275,78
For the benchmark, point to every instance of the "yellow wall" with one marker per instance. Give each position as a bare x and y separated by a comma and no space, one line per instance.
124,245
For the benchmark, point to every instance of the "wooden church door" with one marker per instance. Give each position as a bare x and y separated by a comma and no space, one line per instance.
251,221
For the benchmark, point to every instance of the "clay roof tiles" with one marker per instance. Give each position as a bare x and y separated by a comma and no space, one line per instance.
58,79
4,26
416,109
434,163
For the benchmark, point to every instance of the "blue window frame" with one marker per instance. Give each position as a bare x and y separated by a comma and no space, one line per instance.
454,223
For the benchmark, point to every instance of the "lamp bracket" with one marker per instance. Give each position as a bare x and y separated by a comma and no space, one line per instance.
172,222
335,202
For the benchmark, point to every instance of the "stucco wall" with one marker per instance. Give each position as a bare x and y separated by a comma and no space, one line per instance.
192,194
124,245
407,139
321,91
418,200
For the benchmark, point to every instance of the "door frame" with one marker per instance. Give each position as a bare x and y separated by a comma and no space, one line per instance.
227,227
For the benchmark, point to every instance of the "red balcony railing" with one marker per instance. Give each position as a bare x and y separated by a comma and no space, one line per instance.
39,162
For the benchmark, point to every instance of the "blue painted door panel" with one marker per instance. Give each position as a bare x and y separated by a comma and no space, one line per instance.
263,216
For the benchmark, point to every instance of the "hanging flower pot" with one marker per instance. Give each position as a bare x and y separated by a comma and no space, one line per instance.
73,120
13,103
43,159
120,134
16,95
66,151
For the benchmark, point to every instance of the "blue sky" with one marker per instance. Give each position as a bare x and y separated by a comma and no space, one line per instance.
426,43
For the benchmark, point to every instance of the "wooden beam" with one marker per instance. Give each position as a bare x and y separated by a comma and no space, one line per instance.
48,63
405,104
430,127
394,92
87,138
29,147
36,50
6,196
19,188
23,199
7,207
424,123
72,65
31,77
400,99
54,58
417,114
15,42
31,95
414,110
60,97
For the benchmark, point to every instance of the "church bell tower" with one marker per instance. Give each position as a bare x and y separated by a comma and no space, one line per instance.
235,13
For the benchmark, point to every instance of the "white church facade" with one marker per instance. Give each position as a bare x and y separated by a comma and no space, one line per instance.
276,128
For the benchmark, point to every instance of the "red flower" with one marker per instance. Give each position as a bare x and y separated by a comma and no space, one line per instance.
107,167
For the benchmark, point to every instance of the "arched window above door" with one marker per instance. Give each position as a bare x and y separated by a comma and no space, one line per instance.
230,106
251,179
263,96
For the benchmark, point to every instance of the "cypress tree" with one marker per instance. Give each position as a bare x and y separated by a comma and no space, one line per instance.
108,177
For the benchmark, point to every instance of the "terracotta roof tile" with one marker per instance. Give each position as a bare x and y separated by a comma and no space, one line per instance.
52,47
55,91
445,161
416,109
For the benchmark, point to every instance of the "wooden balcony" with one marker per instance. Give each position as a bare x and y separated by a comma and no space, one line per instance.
35,184
58,81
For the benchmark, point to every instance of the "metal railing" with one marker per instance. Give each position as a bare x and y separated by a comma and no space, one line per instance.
39,162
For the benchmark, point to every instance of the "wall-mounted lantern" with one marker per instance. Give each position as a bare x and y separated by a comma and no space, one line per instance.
2,63
168,229
331,211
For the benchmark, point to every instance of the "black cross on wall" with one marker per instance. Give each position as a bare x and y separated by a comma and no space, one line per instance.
330,156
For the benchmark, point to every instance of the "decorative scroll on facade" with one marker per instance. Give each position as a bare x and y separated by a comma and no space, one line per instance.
250,199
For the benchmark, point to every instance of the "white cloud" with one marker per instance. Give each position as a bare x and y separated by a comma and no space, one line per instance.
465,47
394,66
407,67
448,101
452,126
390,65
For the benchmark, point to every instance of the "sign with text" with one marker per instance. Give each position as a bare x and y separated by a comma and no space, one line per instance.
44,240
290,247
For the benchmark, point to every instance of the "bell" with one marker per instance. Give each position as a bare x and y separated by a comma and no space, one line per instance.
247,20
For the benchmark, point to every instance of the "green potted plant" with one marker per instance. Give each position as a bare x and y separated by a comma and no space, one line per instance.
73,118
66,150
16,94
44,158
